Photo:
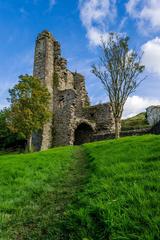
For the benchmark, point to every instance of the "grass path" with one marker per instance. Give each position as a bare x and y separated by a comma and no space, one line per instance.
66,192
46,221
99,191
121,198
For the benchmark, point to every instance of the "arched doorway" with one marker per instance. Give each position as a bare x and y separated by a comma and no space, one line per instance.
83,134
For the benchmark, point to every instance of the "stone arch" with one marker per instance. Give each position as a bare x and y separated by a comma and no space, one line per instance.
83,132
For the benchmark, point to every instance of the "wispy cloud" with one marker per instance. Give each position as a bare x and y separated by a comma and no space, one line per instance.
146,12
131,7
95,15
122,24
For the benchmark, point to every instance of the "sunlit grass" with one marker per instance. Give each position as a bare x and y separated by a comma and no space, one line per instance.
27,182
108,190
122,197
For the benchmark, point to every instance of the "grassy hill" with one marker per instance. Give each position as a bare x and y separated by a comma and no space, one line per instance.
102,190
137,122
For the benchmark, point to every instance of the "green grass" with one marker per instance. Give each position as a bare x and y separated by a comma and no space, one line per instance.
122,197
108,190
28,188
137,122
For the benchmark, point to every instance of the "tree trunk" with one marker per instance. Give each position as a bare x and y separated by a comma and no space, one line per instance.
29,143
117,127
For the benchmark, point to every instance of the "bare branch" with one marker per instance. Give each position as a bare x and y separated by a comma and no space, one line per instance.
119,70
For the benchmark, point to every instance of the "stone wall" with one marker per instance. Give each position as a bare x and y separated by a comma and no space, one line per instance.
153,115
102,115
73,119
79,86
43,69
64,118
137,132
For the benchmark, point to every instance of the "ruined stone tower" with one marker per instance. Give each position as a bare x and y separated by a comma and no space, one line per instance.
73,120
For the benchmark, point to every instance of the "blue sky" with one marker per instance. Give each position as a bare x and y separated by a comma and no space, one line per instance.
78,25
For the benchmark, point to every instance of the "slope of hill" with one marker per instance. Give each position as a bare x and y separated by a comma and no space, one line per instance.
137,122
122,197
102,190
32,192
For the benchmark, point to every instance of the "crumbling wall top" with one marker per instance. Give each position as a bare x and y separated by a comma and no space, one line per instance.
45,34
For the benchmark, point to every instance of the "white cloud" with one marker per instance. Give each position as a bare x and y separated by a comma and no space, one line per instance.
133,106
151,56
146,11
131,7
94,16
137,104
95,35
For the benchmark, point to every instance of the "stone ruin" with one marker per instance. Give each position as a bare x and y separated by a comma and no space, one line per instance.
153,115
74,120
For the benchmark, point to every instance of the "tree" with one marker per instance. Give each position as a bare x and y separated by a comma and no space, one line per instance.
4,131
8,139
29,107
119,69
